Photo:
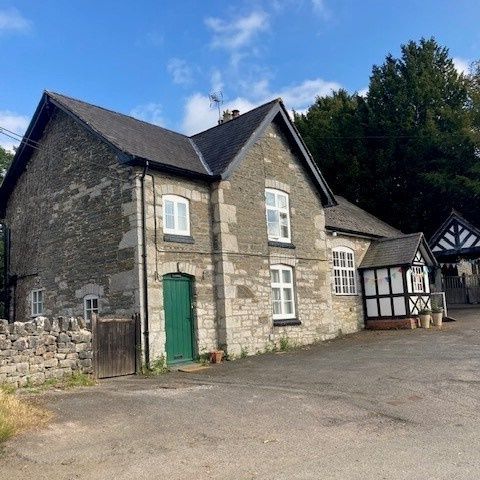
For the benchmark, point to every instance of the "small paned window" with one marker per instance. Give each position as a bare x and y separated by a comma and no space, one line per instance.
90,306
176,215
418,279
282,292
278,215
344,274
37,303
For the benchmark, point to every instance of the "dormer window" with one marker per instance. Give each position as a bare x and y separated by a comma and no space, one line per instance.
278,215
176,215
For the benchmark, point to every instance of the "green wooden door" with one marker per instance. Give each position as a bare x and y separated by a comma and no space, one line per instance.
177,301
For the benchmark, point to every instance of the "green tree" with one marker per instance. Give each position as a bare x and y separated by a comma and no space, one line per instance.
418,155
5,159
333,129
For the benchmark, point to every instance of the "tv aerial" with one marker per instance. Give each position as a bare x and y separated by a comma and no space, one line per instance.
216,99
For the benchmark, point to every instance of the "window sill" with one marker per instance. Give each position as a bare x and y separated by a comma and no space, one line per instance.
169,237
274,243
285,322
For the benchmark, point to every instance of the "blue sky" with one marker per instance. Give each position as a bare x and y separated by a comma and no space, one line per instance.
159,60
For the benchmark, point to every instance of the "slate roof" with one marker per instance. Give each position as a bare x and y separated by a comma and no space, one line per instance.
137,138
212,154
399,250
347,217
220,144
209,152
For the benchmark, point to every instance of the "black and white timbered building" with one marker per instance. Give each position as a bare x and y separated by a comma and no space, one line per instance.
456,246
395,277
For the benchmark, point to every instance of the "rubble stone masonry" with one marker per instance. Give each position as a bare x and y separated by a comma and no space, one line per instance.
35,351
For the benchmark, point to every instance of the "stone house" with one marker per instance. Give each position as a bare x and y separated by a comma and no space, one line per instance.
229,238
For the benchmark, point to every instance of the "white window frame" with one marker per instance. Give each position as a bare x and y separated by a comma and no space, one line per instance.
282,286
37,302
279,210
176,200
418,279
88,308
344,271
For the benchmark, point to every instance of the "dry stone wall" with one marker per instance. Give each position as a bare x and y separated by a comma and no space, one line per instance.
42,349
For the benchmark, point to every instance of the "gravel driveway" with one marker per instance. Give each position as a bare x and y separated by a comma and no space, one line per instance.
374,405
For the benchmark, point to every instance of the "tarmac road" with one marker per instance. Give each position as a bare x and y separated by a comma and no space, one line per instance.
374,405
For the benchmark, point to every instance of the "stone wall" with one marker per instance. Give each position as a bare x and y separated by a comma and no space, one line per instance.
348,309
42,349
165,255
243,266
72,218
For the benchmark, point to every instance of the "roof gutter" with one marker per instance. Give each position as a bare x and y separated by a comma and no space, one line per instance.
353,233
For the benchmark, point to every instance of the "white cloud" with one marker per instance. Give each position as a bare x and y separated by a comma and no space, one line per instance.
304,94
462,65
320,7
11,20
180,71
363,92
216,80
15,123
149,112
238,33
199,115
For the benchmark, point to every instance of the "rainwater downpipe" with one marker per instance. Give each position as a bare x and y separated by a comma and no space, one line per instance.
145,267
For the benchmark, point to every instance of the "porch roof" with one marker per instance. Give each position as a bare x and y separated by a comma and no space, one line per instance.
400,250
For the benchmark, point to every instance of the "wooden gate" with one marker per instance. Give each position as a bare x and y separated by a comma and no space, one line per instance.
115,342
462,289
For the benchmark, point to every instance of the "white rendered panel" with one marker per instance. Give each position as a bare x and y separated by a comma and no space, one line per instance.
369,283
412,302
396,280
409,280
470,241
462,236
372,307
385,307
444,244
382,281
399,306
426,280
450,237
426,302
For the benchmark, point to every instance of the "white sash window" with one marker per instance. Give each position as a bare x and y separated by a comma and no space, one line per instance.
344,274
278,215
176,215
282,292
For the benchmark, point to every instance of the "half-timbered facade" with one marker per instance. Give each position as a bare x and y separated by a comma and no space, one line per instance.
456,246
395,277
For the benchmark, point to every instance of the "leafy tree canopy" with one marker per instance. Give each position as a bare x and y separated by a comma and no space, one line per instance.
409,150
5,159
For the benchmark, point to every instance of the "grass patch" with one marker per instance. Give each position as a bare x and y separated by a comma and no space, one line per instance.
18,415
78,379
157,367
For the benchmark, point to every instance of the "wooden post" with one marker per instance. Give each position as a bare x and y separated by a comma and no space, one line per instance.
138,343
95,344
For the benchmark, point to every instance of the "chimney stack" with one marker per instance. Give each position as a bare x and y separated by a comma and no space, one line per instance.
227,116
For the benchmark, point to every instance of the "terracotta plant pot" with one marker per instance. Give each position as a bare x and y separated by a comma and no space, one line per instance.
216,356
425,321
437,319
